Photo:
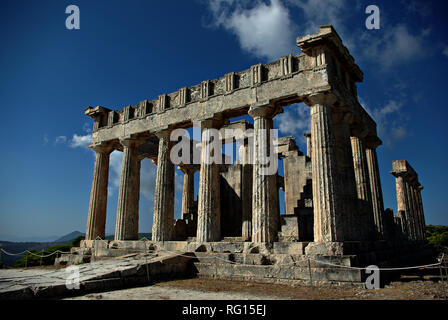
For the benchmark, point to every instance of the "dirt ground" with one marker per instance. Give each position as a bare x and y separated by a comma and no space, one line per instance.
212,289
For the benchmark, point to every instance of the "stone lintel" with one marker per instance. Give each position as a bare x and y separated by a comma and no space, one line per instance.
404,169
287,144
238,127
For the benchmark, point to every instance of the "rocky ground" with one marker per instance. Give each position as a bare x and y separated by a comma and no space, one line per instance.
210,289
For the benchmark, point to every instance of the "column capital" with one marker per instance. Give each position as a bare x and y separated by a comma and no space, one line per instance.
265,110
131,142
216,122
164,133
326,98
373,142
102,147
188,168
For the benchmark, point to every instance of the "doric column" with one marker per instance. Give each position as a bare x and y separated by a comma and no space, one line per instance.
96,220
346,175
209,206
363,188
418,224
163,216
412,210
264,182
402,202
421,212
126,227
326,198
246,192
187,190
375,186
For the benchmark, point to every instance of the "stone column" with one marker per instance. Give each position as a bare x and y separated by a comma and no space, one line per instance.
403,202
265,219
308,144
96,220
126,227
421,212
352,223
187,190
375,187
412,210
418,224
163,216
363,187
209,206
246,192
326,197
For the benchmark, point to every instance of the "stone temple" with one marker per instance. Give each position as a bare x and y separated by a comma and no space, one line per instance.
333,197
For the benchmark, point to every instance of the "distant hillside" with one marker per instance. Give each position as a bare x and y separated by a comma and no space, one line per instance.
70,237
17,247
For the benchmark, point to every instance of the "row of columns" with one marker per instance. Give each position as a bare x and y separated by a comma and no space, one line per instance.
410,207
347,196
343,164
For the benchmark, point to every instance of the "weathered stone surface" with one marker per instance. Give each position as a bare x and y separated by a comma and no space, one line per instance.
209,211
163,223
265,215
365,208
126,227
375,188
326,192
96,220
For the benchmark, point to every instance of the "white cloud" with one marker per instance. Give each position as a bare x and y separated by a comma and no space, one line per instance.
265,30
294,121
60,139
148,174
87,127
391,121
80,141
396,45
322,12
45,139
445,51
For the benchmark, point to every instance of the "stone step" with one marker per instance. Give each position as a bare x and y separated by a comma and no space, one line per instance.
107,274
273,273
271,259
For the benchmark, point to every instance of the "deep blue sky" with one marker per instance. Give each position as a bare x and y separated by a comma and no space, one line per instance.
128,51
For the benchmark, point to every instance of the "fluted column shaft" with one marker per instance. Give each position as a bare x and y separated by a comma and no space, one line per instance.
412,211
375,188
418,225
264,207
96,220
363,187
209,207
126,227
421,213
187,192
163,214
247,173
403,203
346,175
326,200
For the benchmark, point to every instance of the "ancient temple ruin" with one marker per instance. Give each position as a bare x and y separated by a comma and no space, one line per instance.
333,196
